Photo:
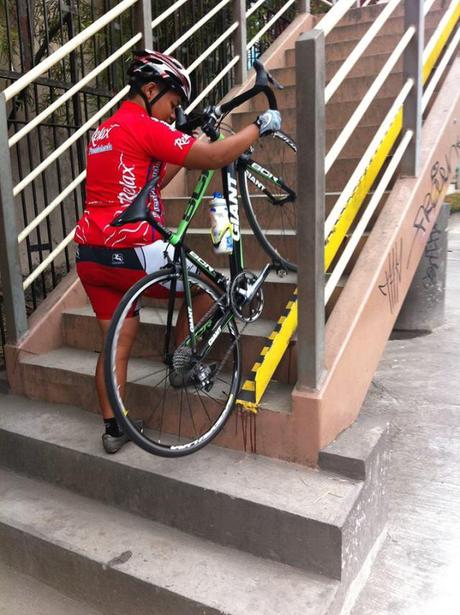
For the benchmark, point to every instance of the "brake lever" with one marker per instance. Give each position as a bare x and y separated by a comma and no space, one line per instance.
187,123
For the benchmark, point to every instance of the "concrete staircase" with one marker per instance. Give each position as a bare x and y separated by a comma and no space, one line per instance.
220,532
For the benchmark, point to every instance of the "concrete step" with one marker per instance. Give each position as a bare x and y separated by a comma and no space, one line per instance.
346,31
337,114
175,208
22,594
81,331
365,67
66,375
341,50
123,564
287,513
336,179
370,13
254,255
352,89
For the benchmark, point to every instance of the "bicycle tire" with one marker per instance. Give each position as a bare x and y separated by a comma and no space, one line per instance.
198,416
272,215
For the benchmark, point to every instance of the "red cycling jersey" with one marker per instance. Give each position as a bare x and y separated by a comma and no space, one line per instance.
125,152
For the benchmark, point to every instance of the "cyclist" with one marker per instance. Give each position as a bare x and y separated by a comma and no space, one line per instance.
134,145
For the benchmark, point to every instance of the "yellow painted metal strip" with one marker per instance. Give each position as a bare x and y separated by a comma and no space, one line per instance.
352,206
272,355
277,350
440,44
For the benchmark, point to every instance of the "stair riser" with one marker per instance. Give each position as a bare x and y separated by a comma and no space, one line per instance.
89,580
337,114
336,179
246,525
83,332
370,13
351,90
341,51
264,212
254,256
393,25
366,66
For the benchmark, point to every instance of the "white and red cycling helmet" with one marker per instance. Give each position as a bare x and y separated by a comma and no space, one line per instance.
150,65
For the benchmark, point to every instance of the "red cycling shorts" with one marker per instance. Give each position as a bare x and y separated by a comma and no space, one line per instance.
107,273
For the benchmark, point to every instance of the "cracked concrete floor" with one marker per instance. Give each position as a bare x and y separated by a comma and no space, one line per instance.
417,571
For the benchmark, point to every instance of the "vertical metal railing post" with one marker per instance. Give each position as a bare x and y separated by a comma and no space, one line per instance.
303,6
311,129
10,265
412,69
240,40
143,22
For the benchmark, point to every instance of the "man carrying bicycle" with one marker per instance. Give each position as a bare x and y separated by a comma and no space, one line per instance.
132,147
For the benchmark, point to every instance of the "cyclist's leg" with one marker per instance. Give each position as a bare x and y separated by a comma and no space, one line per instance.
126,341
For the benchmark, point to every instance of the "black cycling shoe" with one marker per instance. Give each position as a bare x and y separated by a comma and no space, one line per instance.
112,444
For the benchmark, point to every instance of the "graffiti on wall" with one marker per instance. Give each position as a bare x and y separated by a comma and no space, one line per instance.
393,275
441,171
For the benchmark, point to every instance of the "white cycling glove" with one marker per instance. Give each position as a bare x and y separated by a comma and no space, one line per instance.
268,122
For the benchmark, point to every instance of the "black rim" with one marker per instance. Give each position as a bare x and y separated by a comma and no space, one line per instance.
269,197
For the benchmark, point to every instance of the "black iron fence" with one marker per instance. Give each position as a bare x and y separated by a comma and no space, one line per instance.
2,332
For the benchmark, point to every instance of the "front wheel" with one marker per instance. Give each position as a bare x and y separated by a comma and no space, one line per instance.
267,180
183,402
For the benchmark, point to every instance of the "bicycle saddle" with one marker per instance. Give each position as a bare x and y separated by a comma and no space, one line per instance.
138,211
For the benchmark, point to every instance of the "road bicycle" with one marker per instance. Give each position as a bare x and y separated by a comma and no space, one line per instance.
185,389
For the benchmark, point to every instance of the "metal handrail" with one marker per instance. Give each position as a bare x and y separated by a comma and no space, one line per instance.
363,106
357,174
197,26
428,93
430,46
49,259
427,6
254,8
165,14
62,148
210,49
366,216
73,90
51,207
60,53
332,17
357,52
214,82
269,24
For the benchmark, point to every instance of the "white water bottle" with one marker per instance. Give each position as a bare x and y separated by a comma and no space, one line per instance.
221,229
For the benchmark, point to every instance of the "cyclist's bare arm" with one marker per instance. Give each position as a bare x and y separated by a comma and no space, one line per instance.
215,155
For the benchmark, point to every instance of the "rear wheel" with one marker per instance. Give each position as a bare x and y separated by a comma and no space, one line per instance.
267,180
182,400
